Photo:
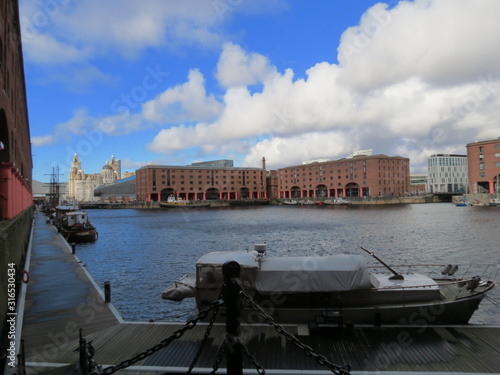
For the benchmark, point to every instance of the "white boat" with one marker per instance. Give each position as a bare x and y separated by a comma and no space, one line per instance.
338,287
290,202
339,201
307,202
172,202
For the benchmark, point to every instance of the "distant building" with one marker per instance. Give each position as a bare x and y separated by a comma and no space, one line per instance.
119,191
418,184
214,163
43,190
81,185
199,182
447,173
484,166
359,176
128,174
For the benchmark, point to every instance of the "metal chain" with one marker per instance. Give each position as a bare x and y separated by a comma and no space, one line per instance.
259,368
320,359
205,339
176,335
218,357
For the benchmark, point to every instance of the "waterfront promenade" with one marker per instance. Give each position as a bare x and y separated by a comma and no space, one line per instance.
62,298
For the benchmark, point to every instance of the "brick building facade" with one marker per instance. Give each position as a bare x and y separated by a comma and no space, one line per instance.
484,166
199,182
360,176
15,144
16,200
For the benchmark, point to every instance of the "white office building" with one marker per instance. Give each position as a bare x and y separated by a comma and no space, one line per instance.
447,173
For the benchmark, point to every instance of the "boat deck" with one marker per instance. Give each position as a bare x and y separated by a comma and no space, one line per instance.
62,297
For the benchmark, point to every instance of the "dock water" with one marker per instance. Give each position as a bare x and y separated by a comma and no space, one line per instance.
62,298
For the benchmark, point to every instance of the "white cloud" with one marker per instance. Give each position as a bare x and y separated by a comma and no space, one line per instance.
441,41
238,68
45,140
45,49
183,103
129,26
292,149
422,78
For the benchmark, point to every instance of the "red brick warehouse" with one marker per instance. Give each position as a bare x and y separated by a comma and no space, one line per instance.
359,176
202,181
484,166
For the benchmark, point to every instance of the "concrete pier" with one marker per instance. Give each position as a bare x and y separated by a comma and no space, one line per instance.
62,298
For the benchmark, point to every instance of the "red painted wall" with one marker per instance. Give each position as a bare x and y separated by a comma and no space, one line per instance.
15,194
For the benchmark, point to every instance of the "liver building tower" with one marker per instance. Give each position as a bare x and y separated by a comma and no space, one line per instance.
81,185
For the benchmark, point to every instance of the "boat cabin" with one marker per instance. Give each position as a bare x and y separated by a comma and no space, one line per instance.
74,218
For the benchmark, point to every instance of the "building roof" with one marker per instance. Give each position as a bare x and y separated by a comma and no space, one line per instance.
497,140
346,160
198,167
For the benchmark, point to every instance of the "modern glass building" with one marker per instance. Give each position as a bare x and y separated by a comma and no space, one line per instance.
447,173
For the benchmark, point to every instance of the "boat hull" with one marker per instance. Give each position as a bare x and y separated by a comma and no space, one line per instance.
79,235
417,314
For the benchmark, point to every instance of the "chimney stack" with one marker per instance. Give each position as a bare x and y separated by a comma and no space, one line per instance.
264,163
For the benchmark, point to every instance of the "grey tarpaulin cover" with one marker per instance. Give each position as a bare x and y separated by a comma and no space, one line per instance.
313,274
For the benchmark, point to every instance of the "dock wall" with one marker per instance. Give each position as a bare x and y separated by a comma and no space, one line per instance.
14,239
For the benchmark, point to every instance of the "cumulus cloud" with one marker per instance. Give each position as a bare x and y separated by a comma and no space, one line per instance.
186,102
443,42
416,79
238,68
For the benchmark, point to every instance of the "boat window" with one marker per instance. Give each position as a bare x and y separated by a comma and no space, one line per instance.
210,275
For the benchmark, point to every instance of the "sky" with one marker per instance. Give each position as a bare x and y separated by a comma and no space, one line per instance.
174,82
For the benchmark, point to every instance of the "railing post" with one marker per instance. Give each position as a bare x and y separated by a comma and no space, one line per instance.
230,293
107,291
83,355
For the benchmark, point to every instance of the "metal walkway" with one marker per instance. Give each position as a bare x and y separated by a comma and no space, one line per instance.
62,298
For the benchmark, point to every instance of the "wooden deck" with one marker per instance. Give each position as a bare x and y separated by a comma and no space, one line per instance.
62,298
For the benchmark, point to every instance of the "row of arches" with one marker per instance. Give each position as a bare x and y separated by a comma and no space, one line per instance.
322,191
209,194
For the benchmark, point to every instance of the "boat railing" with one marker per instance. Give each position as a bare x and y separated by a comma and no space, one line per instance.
184,279
483,270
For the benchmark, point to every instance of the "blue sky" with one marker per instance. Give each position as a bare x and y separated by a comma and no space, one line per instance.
174,82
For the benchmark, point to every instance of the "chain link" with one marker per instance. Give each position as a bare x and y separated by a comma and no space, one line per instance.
218,357
259,368
176,335
205,339
320,359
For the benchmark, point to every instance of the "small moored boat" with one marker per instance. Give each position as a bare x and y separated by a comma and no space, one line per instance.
339,201
75,226
172,202
343,287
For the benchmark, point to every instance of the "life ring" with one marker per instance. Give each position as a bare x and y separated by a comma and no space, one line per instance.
26,277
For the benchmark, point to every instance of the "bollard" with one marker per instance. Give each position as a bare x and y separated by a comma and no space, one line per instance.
107,291
230,293
378,319
83,355
73,248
